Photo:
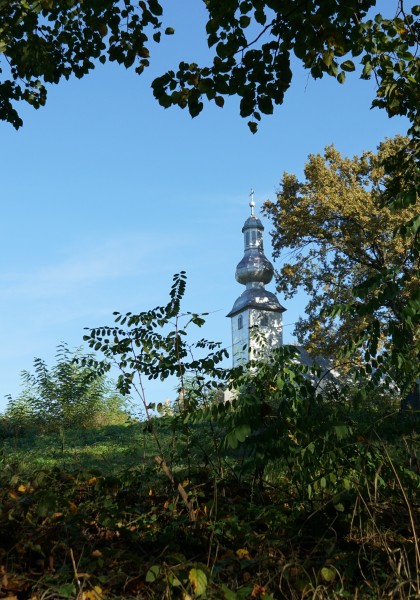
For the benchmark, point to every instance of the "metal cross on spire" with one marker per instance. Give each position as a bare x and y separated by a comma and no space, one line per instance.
252,203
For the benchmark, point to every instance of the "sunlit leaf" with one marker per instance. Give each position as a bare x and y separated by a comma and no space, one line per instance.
198,580
328,574
153,573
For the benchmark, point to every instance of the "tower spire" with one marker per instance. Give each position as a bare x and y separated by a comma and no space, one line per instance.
256,308
252,203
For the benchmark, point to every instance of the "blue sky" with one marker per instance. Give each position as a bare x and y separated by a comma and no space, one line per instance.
105,195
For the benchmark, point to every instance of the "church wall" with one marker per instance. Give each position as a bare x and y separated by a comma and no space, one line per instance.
261,331
266,332
240,338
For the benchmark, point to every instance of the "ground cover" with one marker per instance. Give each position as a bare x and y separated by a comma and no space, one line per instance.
100,518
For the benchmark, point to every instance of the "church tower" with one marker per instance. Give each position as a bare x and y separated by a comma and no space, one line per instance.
256,316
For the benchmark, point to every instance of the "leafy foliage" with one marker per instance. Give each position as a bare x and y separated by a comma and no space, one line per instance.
42,42
296,488
153,344
334,511
61,396
254,42
341,237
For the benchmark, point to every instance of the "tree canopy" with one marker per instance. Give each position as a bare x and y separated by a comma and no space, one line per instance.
333,234
253,44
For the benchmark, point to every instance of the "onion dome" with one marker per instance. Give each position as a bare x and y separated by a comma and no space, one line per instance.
254,270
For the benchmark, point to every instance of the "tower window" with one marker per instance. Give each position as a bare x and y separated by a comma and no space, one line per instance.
240,322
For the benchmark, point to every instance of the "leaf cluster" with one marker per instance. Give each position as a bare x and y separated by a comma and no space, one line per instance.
59,396
153,344
43,41
254,42
337,240
338,478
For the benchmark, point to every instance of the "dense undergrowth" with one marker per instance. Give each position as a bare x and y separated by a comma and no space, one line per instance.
101,519
300,486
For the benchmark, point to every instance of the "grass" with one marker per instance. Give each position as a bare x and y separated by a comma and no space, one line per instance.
93,516
107,448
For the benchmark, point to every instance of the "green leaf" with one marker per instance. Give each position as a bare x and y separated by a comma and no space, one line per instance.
198,580
173,580
238,434
342,431
242,432
341,77
228,594
348,65
195,107
265,105
260,16
328,57
253,126
327,574
367,69
46,504
155,8
68,590
153,573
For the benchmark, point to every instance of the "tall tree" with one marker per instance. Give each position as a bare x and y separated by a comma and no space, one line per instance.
333,234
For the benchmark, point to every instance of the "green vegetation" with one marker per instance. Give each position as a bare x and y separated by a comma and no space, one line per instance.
330,515
301,487
332,233
296,489
57,398
252,47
